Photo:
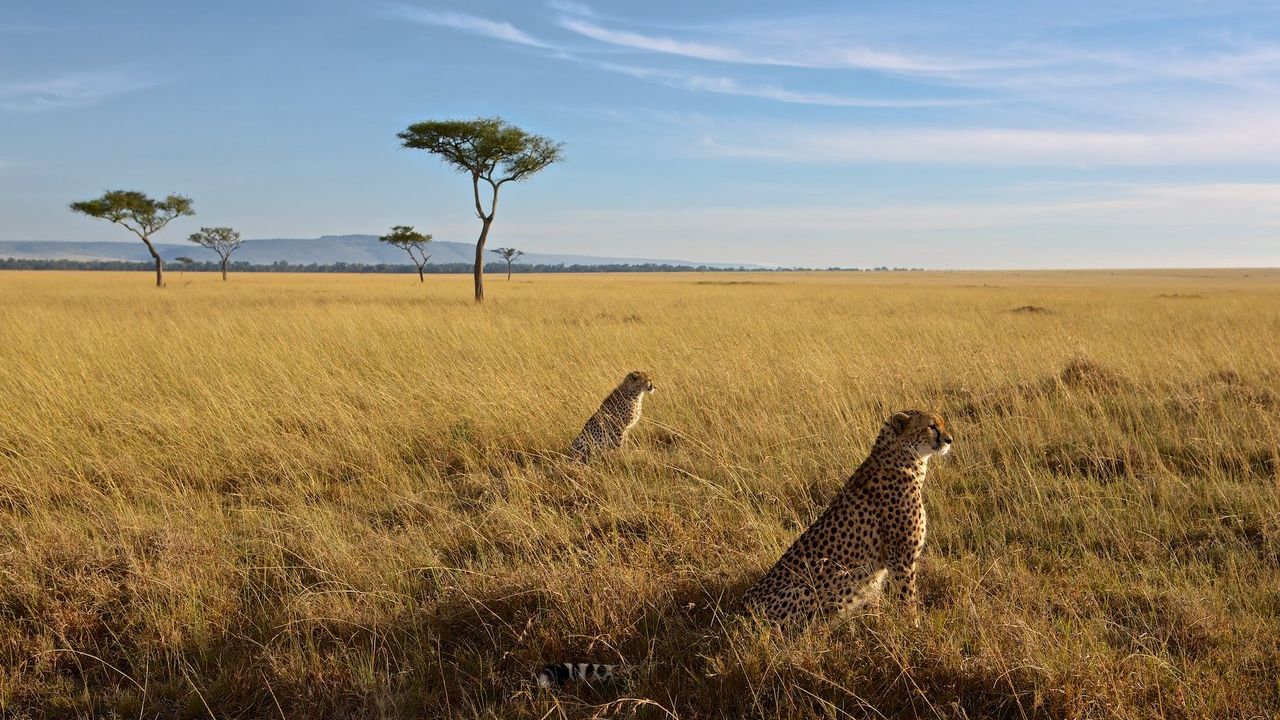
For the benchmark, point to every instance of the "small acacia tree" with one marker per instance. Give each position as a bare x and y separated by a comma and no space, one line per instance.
184,261
222,240
490,150
510,255
138,213
412,242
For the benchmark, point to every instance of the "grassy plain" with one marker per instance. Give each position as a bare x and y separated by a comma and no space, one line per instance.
340,496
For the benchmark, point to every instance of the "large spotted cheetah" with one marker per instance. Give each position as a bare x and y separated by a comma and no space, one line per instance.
874,529
617,415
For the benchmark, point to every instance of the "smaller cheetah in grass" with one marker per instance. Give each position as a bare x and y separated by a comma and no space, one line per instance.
617,415
873,530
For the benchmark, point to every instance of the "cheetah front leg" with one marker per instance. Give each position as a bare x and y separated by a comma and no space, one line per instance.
902,577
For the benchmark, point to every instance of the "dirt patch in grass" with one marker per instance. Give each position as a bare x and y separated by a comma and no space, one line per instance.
1079,374
1162,623
1031,310
1095,465
1239,390
1086,374
1222,389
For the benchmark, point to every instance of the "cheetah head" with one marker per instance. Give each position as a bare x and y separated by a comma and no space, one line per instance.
924,433
639,380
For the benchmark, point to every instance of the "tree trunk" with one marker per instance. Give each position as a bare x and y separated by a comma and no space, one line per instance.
479,269
159,263
224,269
421,278
508,271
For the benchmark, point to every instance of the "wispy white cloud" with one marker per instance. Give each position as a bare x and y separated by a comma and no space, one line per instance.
1238,142
73,89
1233,203
729,86
1252,65
720,84
571,8
1013,64
1114,228
473,24
755,51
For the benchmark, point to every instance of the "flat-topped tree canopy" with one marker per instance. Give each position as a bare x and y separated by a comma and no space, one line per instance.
136,211
492,149
489,149
139,214
405,237
412,242
222,240
510,255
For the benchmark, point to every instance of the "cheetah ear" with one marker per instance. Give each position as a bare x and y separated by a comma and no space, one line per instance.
899,422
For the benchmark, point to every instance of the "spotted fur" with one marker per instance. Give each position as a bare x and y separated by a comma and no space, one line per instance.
873,530
619,412
561,673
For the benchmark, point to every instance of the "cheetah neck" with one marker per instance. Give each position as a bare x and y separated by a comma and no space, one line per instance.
636,404
908,469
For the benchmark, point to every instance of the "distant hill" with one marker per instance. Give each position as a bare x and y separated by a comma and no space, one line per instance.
325,250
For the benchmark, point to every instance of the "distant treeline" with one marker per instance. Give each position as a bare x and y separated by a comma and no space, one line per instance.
342,267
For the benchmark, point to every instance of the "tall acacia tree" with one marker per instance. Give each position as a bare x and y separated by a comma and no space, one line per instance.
510,255
222,240
490,150
412,242
141,215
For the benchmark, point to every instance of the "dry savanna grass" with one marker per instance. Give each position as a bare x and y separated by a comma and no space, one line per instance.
342,496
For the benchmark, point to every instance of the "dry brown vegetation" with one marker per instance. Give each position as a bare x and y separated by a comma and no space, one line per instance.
341,496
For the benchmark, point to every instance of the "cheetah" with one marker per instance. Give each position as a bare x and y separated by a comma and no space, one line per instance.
620,412
874,529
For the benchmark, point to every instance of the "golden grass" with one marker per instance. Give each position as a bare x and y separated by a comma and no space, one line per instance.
339,496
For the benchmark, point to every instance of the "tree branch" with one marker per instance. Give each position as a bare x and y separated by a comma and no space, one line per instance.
475,186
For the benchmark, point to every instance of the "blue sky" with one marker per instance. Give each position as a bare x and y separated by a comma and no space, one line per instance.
932,134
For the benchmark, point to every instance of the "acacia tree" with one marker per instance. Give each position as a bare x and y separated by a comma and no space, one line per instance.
490,150
510,255
412,242
138,213
222,240
185,262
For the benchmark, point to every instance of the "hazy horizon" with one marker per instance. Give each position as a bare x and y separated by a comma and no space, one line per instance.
988,136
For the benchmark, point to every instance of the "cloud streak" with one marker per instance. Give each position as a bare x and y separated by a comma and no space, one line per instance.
472,24
798,56
1232,143
72,90
1017,65
719,84
569,7
1241,218
725,85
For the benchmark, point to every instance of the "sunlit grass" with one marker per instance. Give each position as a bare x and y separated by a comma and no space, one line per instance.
341,496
